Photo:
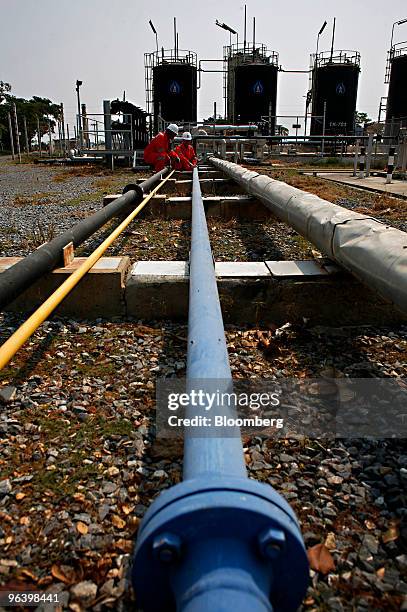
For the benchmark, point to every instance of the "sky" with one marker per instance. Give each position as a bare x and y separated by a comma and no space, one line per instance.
45,45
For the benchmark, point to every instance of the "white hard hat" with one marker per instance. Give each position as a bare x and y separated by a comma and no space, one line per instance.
173,128
186,136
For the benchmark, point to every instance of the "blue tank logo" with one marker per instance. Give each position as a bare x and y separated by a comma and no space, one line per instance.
175,88
258,88
340,89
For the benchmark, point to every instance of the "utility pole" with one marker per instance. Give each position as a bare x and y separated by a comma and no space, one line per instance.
27,146
50,138
10,127
60,136
63,127
108,133
16,130
39,136
85,127
78,84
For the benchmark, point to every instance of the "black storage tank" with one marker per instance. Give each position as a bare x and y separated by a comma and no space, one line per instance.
250,83
397,79
335,80
175,92
255,91
171,86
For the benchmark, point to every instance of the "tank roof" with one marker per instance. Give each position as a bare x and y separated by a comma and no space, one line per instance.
251,53
340,57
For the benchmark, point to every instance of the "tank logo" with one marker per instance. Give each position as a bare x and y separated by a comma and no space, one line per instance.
175,87
258,88
340,89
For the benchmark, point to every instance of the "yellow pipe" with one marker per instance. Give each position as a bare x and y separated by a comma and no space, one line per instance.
16,341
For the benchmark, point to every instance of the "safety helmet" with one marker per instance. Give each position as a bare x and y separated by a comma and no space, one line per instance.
186,136
173,128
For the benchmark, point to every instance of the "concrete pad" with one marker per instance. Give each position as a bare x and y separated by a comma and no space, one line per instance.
296,269
99,294
239,269
211,186
242,207
249,293
171,269
377,184
7,262
158,290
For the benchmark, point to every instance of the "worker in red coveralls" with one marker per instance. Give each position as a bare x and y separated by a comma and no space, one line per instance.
158,152
186,153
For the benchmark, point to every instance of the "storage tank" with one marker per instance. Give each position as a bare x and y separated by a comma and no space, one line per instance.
334,87
171,85
396,76
251,84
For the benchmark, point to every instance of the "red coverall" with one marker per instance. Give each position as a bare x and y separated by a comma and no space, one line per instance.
187,156
158,152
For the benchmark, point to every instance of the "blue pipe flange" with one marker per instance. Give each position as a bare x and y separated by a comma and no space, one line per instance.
220,545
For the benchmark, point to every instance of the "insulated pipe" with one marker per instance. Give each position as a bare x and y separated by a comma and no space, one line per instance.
217,541
375,253
23,274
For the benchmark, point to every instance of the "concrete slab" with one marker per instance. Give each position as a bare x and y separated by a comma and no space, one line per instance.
158,290
299,269
99,294
105,264
170,269
220,206
209,186
239,269
396,188
249,293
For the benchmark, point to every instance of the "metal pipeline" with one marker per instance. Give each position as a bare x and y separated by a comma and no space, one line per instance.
374,252
19,337
23,274
217,541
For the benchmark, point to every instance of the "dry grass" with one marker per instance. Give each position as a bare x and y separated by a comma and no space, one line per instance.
380,204
78,171
32,200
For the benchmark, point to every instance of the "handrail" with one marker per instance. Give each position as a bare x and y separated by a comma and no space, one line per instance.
21,335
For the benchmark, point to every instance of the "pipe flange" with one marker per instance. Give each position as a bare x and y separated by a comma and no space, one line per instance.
233,514
134,187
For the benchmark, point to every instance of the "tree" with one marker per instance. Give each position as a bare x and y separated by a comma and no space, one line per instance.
4,88
43,108
362,118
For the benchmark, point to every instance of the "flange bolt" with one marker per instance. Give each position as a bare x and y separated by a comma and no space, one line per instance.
167,547
271,543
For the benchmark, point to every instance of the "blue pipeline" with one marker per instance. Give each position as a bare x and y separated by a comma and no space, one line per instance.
218,541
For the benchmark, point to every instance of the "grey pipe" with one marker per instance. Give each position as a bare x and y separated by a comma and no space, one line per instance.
374,252
24,273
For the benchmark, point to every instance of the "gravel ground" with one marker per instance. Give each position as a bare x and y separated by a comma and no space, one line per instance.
37,203
155,239
79,464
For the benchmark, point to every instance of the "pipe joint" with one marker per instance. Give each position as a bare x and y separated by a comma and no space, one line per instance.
223,527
